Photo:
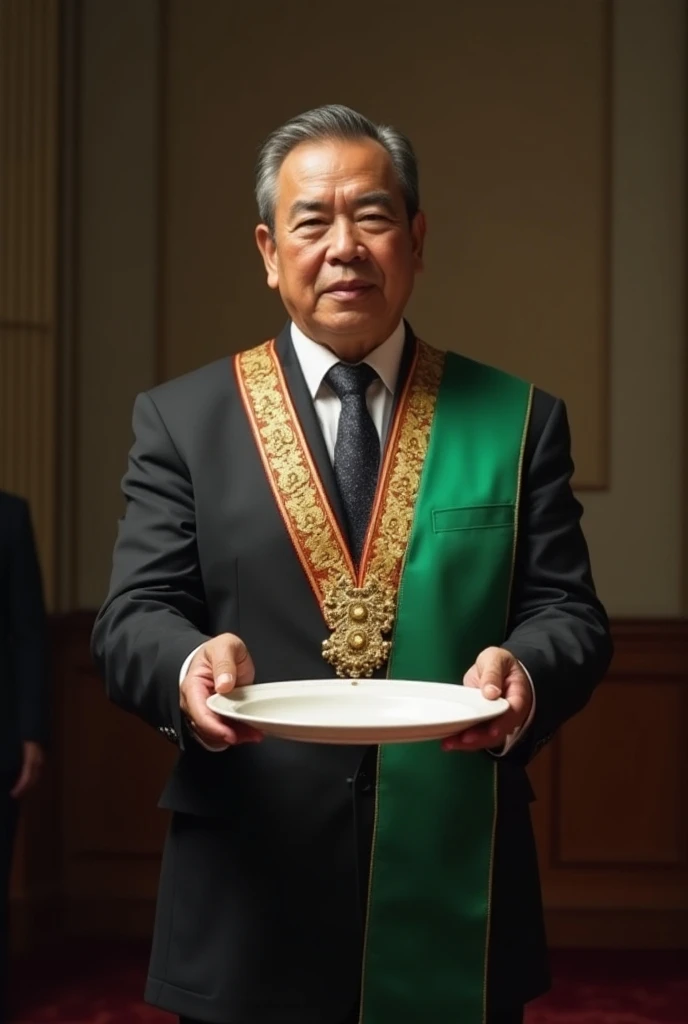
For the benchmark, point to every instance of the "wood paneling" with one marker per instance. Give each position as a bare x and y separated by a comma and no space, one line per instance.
28,275
607,780
580,928
117,799
113,768
609,816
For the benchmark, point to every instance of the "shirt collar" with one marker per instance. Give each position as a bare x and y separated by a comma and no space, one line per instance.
315,360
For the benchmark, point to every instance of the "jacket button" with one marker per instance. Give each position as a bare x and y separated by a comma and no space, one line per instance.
364,783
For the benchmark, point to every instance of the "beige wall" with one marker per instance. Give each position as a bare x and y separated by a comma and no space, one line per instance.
640,515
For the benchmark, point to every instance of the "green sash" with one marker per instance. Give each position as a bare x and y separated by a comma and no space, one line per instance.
425,957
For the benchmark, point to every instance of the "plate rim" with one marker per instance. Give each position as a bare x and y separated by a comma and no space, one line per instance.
232,708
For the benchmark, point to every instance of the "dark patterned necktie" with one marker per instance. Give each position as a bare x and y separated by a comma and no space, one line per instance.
357,449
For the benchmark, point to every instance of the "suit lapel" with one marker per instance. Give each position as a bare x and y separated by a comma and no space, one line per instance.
310,424
404,367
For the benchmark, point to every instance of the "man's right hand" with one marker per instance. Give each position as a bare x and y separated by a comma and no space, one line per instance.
221,664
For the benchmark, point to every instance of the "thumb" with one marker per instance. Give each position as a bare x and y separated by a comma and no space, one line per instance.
232,665
492,671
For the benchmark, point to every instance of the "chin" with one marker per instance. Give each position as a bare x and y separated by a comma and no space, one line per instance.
351,338
349,321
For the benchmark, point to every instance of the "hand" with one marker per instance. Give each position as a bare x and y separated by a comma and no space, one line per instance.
32,765
221,664
498,674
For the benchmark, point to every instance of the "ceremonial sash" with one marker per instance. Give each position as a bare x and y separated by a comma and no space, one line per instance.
437,568
358,605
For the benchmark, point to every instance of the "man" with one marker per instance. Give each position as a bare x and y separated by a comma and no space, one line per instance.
283,507
23,721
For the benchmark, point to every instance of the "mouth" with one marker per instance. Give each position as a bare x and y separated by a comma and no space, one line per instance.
349,291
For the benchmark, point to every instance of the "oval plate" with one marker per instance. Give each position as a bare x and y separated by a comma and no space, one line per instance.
357,711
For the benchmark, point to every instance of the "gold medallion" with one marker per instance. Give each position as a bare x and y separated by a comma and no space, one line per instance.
360,618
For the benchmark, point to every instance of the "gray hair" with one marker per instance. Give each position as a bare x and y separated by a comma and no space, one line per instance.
333,121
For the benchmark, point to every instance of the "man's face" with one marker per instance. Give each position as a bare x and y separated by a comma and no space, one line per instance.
343,255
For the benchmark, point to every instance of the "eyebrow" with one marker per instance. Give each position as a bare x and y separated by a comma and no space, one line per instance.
306,206
302,206
376,199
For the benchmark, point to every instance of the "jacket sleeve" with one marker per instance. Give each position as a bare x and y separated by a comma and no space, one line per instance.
557,627
155,611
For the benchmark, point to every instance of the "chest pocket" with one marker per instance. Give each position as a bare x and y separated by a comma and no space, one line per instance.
473,517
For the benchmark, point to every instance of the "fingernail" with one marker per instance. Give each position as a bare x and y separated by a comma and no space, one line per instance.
491,691
224,680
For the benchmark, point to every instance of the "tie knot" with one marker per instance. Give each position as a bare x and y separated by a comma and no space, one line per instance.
350,378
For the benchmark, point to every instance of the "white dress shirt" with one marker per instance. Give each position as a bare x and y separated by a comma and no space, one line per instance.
315,360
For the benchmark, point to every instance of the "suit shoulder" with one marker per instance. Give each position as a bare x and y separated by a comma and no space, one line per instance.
212,380
543,402
197,397
548,426
15,520
13,504
543,405
488,369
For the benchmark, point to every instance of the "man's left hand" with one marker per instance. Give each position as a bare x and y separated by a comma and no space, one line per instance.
32,763
497,674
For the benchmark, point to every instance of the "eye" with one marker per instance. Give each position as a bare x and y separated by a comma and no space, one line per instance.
314,222
373,221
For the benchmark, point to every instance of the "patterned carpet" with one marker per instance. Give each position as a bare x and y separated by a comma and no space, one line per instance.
102,985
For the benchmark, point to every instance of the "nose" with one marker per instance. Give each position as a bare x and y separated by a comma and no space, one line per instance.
345,245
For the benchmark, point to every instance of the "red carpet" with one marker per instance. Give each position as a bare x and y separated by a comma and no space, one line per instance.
102,984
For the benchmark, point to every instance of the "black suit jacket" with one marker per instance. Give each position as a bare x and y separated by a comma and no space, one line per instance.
263,882
23,661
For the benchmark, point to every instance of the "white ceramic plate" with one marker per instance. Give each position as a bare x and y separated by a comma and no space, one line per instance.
357,711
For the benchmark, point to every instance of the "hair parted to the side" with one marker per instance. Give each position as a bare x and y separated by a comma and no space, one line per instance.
332,121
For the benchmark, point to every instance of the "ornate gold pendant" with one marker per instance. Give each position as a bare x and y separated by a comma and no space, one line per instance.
359,618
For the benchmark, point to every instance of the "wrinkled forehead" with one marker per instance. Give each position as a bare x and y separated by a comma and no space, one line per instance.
335,171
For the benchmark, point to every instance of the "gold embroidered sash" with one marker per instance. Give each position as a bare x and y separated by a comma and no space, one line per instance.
358,607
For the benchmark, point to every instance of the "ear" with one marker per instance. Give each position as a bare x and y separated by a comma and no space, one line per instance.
418,228
268,250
